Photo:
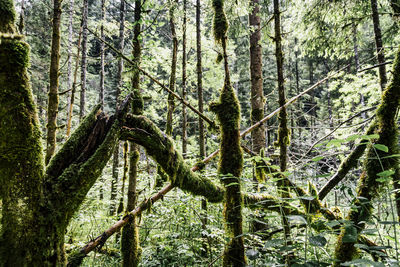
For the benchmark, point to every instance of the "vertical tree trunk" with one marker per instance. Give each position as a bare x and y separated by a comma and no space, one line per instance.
257,94
231,157
130,247
103,20
85,11
283,131
171,102
119,89
52,107
73,89
184,115
378,43
70,59
202,151
21,23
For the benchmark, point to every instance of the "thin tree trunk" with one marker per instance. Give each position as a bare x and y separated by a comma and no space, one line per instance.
184,115
130,246
70,59
21,23
202,151
52,107
378,43
73,90
101,92
283,131
83,62
114,181
171,102
103,18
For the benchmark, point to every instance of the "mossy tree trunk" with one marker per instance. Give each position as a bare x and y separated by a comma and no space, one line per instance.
38,202
130,243
231,156
376,162
52,107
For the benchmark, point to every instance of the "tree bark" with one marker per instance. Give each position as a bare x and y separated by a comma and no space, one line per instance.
171,102
283,131
130,243
184,115
375,163
52,107
102,74
69,71
379,45
202,151
114,181
85,11
231,156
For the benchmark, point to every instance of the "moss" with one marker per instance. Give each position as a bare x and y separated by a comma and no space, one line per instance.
130,247
161,148
220,23
376,161
7,16
75,258
21,157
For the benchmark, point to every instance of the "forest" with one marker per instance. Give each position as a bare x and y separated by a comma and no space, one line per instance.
199,133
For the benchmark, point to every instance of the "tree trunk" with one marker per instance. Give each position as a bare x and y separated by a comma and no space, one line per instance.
114,181
69,71
52,107
21,23
202,150
378,42
171,102
83,62
103,20
376,162
283,131
73,89
231,157
130,243
184,115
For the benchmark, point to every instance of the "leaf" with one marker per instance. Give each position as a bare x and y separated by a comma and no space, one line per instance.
317,241
309,198
362,262
333,223
317,158
273,243
381,147
252,254
385,173
350,234
297,219
389,222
